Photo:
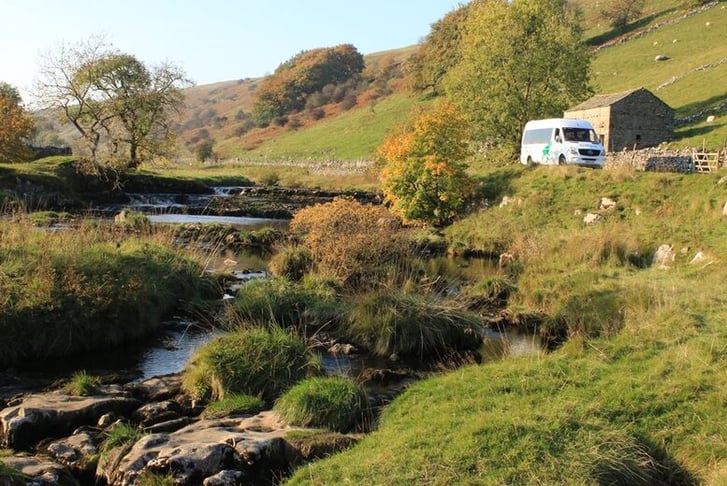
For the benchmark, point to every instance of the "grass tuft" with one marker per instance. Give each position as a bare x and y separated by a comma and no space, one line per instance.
262,362
334,403
234,404
411,325
82,384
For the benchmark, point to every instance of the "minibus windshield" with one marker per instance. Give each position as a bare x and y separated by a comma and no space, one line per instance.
580,135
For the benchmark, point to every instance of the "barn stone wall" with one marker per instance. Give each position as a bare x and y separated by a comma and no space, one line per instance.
636,121
640,120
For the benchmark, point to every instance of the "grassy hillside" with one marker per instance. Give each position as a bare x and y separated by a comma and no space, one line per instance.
691,82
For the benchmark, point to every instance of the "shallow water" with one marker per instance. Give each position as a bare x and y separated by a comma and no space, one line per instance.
248,223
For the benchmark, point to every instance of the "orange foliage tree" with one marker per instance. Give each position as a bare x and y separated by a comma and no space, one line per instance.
310,71
424,171
16,126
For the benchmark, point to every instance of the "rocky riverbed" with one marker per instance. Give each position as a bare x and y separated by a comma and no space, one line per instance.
58,438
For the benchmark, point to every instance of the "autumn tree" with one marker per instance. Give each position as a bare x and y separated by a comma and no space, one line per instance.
438,53
288,88
520,60
424,172
120,108
620,12
16,126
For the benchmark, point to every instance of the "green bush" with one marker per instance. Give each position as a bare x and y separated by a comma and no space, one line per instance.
412,325
334,403
120,434
262,362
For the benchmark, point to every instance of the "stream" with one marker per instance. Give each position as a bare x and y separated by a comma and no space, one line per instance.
170,350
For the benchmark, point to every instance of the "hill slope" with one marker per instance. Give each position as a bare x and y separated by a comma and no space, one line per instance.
691,81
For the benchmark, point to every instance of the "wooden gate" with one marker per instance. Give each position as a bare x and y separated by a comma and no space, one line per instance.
706,162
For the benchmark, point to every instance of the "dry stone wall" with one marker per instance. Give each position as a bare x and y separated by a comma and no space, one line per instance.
654,159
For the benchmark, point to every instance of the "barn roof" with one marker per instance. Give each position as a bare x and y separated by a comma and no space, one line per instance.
603,100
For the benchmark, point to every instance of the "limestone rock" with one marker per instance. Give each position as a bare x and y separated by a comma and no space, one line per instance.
56,414
664,256
607,203
156,412
591,218
40,471
697,258
202,449
78,452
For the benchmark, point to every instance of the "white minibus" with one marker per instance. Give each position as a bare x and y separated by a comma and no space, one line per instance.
561,141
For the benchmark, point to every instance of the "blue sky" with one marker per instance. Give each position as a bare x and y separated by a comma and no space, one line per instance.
211,40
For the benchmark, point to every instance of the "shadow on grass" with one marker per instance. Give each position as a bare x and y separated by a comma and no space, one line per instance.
699,131
716,103
645,464
493,187
628,29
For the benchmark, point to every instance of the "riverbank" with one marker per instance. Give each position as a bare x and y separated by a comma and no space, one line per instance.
627,267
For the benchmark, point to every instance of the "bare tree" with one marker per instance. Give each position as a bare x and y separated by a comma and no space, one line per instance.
620,12
119,107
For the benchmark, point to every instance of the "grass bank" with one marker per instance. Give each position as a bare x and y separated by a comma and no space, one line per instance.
69,291
635,395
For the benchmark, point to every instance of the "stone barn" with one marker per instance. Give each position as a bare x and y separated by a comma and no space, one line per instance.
631,120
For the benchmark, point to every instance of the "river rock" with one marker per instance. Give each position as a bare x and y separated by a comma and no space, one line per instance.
225,478
38,472
158,388
156,412
204,449
78,452
56,414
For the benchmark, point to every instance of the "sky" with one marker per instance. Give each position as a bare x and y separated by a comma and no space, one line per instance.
211,40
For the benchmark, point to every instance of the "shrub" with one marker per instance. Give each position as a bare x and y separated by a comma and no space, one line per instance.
334,403
259,362
424,175
238,404
292,262
348,241
411,325
82,384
